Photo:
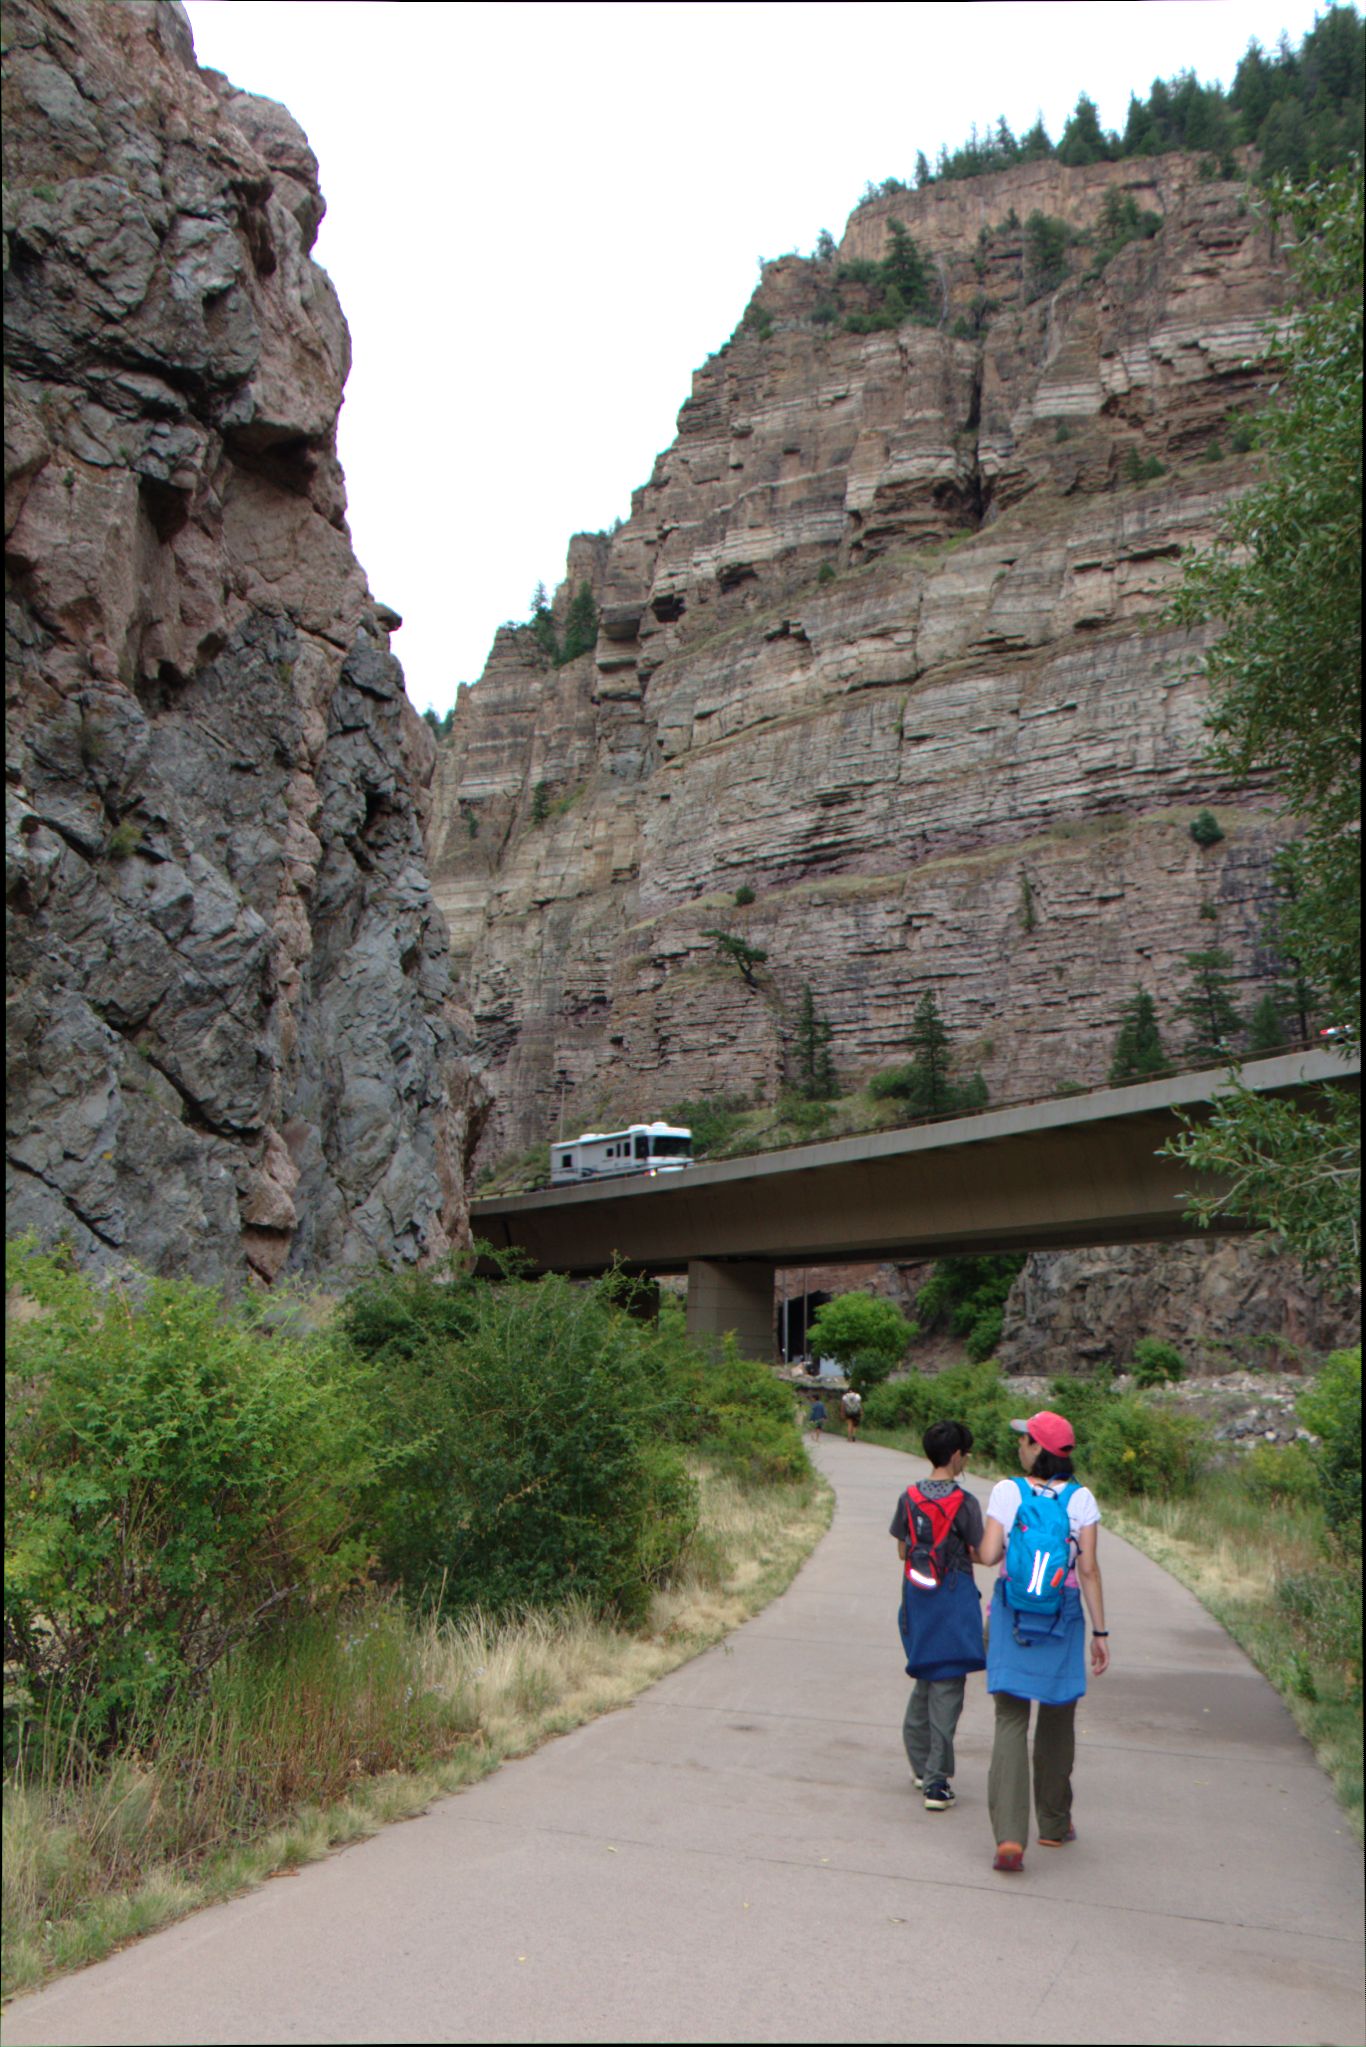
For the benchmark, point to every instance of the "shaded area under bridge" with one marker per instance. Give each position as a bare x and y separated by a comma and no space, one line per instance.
1042,1176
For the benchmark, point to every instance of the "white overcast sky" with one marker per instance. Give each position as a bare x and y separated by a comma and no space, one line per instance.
543,217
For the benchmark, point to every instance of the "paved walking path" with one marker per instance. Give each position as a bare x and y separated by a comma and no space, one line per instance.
739,1857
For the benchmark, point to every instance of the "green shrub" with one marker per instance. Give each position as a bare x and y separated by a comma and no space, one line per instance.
1156,1363
985,1335
1142,469
1324,1607
968,1295
534,1446
975,1394
1206,829
712,1121
735,1408
540,1426
178,1480
744,896
826,573
1131,1446
894,1083
807,1120
124,840
1331,1407
1280,1474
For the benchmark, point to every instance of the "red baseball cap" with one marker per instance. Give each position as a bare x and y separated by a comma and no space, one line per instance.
1051,1431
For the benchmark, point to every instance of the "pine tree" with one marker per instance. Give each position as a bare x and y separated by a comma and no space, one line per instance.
1083,139
929,1089
1208,1007
1265,1031
903,268
815,1064
543,623
745,957
581,626
1138,1048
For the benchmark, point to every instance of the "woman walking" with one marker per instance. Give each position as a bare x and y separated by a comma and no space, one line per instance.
1042,1529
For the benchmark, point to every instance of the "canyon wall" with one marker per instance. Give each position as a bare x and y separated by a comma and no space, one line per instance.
232,1044
883,641
884,648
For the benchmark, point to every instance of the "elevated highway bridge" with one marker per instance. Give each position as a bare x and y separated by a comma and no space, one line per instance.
1039,1176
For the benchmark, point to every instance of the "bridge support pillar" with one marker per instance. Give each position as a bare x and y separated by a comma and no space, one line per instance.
736,1297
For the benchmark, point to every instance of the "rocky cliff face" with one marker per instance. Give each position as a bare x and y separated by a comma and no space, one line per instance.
883,641
232,1045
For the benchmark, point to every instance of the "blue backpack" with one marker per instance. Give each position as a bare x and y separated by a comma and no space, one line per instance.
1040,1550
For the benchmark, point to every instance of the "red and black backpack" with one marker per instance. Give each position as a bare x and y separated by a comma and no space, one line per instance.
928,1523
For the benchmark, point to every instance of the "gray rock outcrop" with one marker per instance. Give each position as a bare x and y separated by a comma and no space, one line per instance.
232,1046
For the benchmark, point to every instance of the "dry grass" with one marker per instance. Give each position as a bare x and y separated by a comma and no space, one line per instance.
344,1733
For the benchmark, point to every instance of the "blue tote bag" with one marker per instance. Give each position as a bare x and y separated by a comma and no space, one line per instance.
941,1631
1035,1658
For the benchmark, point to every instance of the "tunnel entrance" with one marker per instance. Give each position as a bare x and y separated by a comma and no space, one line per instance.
796,1312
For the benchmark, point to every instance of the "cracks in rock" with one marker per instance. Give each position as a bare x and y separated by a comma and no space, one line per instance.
66,1200
979,489
196,1116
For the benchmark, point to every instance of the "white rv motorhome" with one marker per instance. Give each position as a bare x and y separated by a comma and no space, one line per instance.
599,1154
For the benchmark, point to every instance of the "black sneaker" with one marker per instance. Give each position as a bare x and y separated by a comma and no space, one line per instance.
938,1795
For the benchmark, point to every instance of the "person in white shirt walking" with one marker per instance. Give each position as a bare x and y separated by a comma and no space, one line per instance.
1042,1529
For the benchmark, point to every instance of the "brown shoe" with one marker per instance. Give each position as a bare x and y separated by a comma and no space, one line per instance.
1070,1835
1009,1857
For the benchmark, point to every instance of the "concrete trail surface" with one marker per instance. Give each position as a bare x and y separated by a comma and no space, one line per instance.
739,1856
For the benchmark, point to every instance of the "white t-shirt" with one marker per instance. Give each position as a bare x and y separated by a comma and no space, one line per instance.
1004,1505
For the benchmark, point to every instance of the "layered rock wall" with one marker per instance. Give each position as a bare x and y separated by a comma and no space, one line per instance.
232,1043
883,640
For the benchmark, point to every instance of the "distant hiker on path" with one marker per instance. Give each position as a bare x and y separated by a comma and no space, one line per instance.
851,1407
817,1417
1042,1529
938,1526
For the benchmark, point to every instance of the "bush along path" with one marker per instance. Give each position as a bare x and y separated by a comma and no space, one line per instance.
663,1873
270,1583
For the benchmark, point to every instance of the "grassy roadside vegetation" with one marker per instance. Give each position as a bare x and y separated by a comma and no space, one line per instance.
1270,1543
225,1657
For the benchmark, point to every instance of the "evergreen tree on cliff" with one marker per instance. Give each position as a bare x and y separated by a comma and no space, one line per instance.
1138,1048
1208,1007
815,1066
926,1086
1285,584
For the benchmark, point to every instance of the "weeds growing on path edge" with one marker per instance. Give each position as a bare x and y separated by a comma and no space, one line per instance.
334,1732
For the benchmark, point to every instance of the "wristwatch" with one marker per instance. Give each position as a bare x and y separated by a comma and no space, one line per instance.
1099,1631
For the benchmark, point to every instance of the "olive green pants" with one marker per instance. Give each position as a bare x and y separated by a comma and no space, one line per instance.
928,1727
1055,1742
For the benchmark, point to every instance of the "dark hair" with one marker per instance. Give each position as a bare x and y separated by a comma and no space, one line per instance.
941,1439
1048,1464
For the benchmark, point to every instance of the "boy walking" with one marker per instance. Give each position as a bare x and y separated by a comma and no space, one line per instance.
938,1527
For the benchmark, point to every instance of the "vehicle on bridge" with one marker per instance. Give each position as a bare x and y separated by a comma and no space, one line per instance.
602,1154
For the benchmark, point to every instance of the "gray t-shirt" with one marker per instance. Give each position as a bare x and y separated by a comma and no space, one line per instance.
966,1532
